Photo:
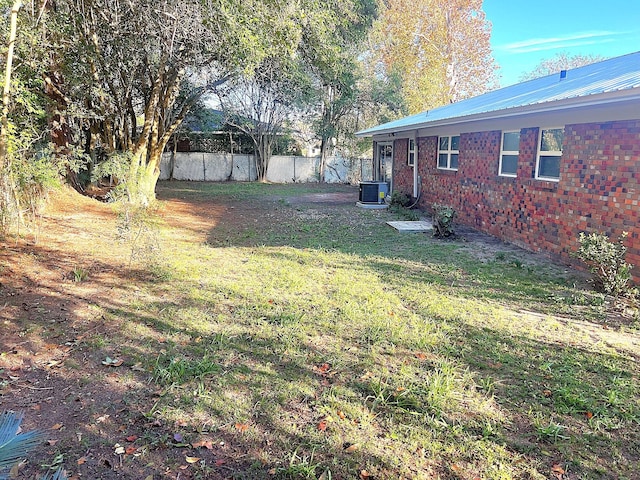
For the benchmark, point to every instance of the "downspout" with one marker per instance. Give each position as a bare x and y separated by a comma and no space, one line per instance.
415,165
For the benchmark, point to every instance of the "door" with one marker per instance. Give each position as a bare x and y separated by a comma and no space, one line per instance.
383,165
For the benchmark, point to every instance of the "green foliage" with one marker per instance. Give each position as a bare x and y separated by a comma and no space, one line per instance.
117,167
400,199
443,218
14,445
399,205
606,261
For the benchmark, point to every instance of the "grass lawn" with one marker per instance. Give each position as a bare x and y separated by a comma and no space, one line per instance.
279,332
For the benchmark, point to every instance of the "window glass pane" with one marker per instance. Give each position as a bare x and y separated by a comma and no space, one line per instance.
454,160
442,160
549,166
455,142
509,164
410,160
511,141
552,140
412,144
444,143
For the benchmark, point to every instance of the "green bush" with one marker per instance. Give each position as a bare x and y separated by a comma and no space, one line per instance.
400,199
606,261
443,217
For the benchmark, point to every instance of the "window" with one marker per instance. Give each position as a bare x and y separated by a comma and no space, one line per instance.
448,152
549,153
411,154
509,151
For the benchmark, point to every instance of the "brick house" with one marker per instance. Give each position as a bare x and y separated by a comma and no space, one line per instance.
534,163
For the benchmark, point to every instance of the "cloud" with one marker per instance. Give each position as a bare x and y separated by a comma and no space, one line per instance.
552,43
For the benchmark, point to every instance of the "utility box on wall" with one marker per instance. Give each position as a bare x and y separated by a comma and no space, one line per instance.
373,192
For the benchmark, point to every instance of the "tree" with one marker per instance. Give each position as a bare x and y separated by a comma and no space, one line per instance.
438,48
260,104
561,61
331,44
27,168
152,61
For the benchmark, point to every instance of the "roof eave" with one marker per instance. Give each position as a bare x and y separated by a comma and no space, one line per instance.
546,107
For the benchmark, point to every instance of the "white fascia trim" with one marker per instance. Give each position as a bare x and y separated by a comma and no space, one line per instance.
547,107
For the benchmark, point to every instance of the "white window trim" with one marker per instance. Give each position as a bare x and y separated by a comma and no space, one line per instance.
411,151
507,152
449,152
547,153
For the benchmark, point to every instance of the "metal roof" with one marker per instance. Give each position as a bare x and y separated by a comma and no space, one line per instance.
612,75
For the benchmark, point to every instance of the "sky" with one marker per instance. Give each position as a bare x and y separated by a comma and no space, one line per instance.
524,32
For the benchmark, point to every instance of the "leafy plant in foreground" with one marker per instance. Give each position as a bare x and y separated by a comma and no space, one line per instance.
15,445
443,217
606,261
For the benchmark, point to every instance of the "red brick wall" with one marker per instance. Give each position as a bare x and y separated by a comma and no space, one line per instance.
402,172
598,190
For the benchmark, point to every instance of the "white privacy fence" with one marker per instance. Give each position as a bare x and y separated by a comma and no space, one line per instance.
219,167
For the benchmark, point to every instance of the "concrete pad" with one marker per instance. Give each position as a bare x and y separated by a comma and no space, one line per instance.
372,206
418,226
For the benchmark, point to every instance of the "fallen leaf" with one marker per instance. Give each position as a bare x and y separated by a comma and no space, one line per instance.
102,418
351,447
557,468
204,443
589,415
547,393
272,471
326,475
132,438
57,426
183,467
364,474
341,414
324,368
81,460
322,425
112,362
52,442
192,459
15,470
220,462
421,356
138,368
130,450
455,468
242,427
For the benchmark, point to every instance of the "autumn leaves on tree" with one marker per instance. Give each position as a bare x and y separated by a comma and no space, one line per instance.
439,49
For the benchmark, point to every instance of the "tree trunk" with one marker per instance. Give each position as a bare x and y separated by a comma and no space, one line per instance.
9,202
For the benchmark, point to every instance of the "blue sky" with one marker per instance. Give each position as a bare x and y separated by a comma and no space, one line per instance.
524,33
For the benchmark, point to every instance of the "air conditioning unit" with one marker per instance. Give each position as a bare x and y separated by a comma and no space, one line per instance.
373,192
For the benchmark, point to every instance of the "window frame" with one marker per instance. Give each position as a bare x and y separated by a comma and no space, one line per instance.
449,152
504,152
411,152
548,153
